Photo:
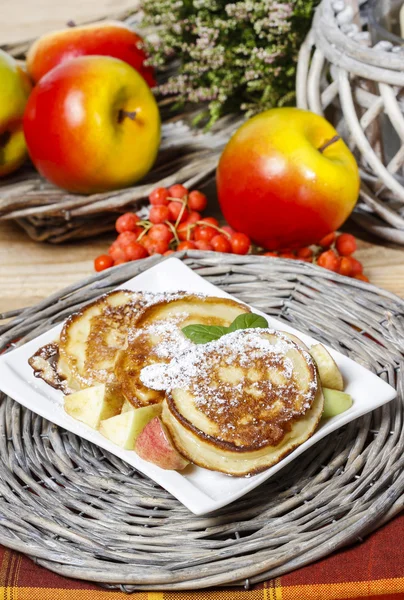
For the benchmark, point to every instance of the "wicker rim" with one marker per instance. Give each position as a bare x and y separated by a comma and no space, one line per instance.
93,517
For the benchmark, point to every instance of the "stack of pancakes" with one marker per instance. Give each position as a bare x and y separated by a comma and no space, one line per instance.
236,405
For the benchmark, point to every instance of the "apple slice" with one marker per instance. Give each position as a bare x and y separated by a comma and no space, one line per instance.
154,445
94,404
330,375
127,406
124,429
335,402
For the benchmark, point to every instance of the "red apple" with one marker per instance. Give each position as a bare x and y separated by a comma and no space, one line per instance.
92,125
109,38
154,445
280,184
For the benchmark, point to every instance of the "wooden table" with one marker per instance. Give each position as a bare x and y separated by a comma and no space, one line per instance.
30,271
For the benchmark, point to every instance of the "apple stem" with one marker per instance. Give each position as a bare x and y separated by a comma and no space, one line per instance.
126,114
71,23
329,142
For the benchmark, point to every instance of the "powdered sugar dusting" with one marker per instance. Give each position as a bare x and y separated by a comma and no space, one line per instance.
246,381
165,334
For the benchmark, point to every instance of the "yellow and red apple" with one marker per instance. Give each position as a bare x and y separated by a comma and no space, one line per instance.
286,179
109,38
92,125
14,91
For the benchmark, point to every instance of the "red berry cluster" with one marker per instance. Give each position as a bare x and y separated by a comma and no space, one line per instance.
174,223
333,252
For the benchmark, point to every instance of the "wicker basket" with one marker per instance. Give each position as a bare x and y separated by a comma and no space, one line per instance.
83,513
50,214
359,88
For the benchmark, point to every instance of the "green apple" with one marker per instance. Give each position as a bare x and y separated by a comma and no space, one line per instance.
15,88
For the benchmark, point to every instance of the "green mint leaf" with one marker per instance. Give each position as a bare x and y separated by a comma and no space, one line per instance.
247,321
202,334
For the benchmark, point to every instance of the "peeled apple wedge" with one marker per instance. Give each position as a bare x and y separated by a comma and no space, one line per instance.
124,429
335,402
94,404
330,375
127,407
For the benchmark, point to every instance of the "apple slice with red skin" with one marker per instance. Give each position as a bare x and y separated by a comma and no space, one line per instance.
155,446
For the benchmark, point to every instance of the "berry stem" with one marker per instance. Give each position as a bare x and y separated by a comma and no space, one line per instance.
146,225
178,221
204,224
328,143
174,231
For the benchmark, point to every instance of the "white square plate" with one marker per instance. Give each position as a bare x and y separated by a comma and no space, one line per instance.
200,490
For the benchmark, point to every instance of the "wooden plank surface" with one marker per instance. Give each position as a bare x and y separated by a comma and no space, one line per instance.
30,271
22,20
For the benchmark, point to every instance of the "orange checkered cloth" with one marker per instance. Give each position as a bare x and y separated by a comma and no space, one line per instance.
373,569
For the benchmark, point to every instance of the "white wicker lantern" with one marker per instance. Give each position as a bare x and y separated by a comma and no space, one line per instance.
360,89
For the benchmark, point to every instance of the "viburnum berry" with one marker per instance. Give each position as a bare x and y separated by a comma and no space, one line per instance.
134,251
175,209
328,260
345,267
159,214
304,252
362,277
116,252
328,240
197,200
287,254
228,229
168,252
159,197
270,254
178,191
155,246
203,245
210,221
204,233
120,261
103,262
356,266
186,230
193,217
240,243
220,243
128,237
187,245
160,231
126,222
345,244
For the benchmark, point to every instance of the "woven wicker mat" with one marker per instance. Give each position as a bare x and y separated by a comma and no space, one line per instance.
82,512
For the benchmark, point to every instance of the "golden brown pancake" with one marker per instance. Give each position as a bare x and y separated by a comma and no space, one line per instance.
158,338
241,403
91,338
